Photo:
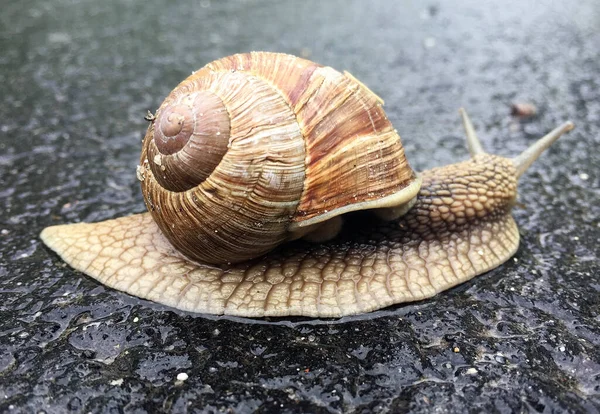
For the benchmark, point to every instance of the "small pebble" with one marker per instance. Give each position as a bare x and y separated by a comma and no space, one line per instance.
182,376
136,319
471,371
456,349
523,110
584,176
117,382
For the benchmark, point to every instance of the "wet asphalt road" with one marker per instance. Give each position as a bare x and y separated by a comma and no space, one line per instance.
77,77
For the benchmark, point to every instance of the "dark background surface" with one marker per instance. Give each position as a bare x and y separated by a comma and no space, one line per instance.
77,77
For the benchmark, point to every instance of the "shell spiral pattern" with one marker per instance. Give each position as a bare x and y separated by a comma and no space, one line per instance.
254,145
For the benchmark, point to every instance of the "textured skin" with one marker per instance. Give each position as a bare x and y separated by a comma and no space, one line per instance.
460,227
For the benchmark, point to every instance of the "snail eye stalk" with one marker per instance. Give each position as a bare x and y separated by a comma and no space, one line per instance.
527,157
472,141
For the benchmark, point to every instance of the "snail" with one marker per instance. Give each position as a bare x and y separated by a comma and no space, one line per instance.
249,169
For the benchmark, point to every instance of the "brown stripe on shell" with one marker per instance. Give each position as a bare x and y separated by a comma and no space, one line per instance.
327,174
338,118
353,152
290,74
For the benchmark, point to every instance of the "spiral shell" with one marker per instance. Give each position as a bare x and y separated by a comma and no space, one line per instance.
255,147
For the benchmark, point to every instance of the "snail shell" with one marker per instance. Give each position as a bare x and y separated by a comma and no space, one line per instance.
258,148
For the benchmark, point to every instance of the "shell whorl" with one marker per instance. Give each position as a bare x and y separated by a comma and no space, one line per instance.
253,144
190,136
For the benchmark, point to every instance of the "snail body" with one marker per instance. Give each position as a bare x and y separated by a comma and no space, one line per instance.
256,150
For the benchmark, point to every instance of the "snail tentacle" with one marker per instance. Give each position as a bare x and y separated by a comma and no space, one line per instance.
524,160
473,142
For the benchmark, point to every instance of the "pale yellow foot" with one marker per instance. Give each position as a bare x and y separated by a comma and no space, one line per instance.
130,254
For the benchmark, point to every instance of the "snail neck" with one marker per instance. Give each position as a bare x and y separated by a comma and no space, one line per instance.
456,195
